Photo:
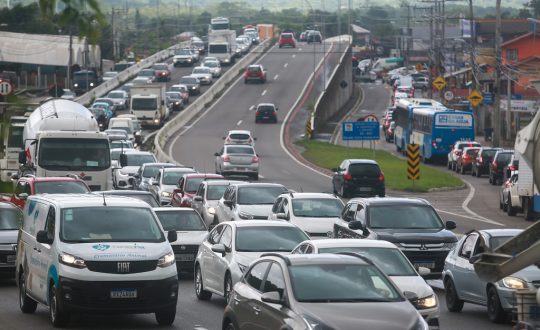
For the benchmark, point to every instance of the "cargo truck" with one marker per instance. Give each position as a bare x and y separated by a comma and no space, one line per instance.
148,104
222,45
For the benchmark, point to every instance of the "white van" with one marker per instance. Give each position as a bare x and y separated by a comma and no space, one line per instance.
125,124
95,254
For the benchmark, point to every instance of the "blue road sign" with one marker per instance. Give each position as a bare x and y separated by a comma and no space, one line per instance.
360,130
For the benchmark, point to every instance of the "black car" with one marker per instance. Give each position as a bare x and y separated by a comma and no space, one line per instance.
481,163
496,167
412,224
358,177
266,113
193,84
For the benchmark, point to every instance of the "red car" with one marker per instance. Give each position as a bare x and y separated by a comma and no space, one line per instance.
255,72
188,186
406,89
287,39
30,185
162,72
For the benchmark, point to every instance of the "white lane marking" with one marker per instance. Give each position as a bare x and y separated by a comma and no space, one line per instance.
264,92
293,55
239,122
276,76
261,177
465,205
475,218
285,65
251,108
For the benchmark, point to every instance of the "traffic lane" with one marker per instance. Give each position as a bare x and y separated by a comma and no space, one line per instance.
190,313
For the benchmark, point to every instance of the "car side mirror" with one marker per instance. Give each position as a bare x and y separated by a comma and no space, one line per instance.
282,216
136,175
228,203
123,160
155,183
177,191
424,271
219,248
15,176
23,196
22,157
356,225
334,169
450,225
272,297
197,199
411,296
43,238
254,139
172,236
217,154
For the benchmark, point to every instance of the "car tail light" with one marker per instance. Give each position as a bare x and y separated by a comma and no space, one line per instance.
347,176
494,164
226,158
513,167
457,152
434,144
255,159
381,177
258,113
481,160
466,157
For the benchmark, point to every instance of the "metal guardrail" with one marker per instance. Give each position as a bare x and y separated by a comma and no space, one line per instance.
168,130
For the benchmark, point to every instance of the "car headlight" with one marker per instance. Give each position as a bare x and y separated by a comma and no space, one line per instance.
91,84
156,120
166,194
245,216
211,210
226,60
193,87
426,302
242,268
167,260
123,173
75,85
137,133
176,103
511,282
72,261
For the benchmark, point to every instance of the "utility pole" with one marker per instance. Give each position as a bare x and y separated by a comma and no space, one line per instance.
113,35
508,114
431,50
497,86
474,81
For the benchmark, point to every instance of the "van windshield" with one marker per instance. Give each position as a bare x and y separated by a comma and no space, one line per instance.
109,224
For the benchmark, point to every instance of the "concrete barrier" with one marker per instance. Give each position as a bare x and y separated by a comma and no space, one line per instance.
180,120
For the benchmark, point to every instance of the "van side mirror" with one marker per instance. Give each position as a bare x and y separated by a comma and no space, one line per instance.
43,238
450,225
123,160
23,196
272,298
177,191
172,236
356,225
411,296
197,199
22,157
282,216
219,248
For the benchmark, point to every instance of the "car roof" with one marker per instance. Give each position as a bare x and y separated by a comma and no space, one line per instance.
203,175
90,199
135,151
305,195
238,131
159,164
258,184
124,192
259,223
325,258
177,168
222,182
501,232
173,209
266,104
391,201
362,161
49,178
350,242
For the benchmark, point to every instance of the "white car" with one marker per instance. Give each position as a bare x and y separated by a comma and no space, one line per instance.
210,59
247,201
109,75
237,136
215,68
191,231
124,124
207,196
231,246
130,161
204,74
165,182
391,261
315,213
68,94
120,98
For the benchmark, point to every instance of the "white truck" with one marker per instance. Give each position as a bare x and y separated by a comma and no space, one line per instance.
148,104
13,145
222,44
62,137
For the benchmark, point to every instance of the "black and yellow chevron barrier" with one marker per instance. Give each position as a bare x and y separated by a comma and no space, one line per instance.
413,162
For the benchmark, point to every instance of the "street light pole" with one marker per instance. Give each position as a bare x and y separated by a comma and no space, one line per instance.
497,86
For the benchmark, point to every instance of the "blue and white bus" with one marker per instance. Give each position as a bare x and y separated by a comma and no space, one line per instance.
436,130
402,116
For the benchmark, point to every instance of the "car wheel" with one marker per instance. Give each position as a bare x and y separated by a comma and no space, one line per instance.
462,169
472,172
528,212
449,165
453,303
227,287
229,326
200,292
344,192
501,204
504,204
510,210
57,314
166,316
494,309
27,304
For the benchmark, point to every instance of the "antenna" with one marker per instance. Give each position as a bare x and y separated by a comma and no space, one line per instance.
301,190
104,202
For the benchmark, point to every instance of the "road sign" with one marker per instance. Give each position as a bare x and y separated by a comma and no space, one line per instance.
5,88
419,67
413,162
309,130
475,98
448,95
439,83
360,130
370,117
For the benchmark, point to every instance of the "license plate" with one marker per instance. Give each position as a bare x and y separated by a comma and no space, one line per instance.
11,259
429,265
185,257
124,294
364,189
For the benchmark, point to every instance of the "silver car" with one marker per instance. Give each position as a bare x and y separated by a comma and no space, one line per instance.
237,160
166,181
231,246
204,74
10,221
129,161
462,284
146,172
207,197
391,261
214,66
120,98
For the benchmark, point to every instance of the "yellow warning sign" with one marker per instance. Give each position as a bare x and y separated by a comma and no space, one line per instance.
475,98
439,83
413,162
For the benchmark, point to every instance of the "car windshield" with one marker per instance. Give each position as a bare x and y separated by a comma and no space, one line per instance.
188,80
211,64
268,238
121,144
144,103
126,129
239,136
139,159
254,69
317,207
151,171
183,52
57,154
60,187
10,219
240,150
367,170
146,73
171,178
181,220
160,67
192,184
265,108
116,95
472,152
342,283
215,192
404,217
504,158
259,195
200,70
109,224
174,95
488,153
145,197
391,261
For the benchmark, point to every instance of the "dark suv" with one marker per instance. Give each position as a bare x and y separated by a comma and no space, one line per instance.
496,167
358,177
412,224
481,163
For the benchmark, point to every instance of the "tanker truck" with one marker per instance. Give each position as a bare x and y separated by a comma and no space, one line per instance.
62,137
